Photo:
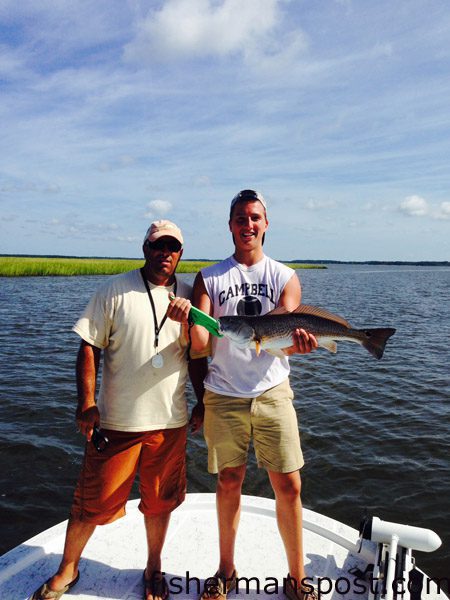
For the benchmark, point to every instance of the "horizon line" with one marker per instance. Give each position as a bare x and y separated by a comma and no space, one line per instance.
303,261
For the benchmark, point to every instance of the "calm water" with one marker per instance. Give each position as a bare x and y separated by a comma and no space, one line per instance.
375,434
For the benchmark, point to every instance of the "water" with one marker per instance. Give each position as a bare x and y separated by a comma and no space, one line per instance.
375,434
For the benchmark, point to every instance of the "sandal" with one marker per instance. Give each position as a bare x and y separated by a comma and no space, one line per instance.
156,586
218,586
294,592
45,593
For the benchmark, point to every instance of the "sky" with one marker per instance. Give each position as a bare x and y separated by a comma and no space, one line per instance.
116,113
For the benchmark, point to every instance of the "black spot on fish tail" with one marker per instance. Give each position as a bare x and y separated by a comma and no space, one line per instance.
375,340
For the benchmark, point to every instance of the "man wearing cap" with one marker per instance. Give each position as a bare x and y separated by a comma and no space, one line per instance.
139,424
248,395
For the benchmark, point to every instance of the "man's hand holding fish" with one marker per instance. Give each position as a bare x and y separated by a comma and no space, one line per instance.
304,343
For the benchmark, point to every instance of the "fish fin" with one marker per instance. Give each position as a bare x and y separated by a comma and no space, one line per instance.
375,340
330,345
258,347
276,352
321,312
279,310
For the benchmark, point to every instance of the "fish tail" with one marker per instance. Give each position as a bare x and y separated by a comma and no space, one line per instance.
374,340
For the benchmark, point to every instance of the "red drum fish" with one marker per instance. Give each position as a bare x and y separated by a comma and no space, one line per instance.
273,331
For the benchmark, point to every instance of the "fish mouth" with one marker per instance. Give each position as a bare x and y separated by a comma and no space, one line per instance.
236,330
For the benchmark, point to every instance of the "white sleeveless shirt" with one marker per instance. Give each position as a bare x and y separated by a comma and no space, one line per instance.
236,289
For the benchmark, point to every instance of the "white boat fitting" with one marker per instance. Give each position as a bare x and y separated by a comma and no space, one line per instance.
336,556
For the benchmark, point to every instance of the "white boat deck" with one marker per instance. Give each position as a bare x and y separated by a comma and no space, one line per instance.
113,562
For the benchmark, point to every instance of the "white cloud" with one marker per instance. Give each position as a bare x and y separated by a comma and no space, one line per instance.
414,206
443,211
196,29
157,208
192,28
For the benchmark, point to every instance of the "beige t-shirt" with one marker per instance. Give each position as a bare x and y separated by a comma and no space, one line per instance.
134,395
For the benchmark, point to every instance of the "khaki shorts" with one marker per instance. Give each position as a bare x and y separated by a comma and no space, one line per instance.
107,477
270,418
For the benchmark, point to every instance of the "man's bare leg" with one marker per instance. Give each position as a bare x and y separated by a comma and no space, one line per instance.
77,536
287,488
156,528
228,500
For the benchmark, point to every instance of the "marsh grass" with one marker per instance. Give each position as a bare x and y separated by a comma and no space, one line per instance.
34,266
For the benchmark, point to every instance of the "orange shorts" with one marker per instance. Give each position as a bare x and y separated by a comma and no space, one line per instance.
107,477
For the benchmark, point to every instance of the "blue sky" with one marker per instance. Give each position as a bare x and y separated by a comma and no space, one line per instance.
115,113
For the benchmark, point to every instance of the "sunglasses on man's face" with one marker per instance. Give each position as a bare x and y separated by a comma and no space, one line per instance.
172,245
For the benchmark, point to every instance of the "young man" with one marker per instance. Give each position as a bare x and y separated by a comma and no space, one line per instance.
246,393
141,407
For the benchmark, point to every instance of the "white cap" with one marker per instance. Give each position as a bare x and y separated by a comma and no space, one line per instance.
248,196
163,228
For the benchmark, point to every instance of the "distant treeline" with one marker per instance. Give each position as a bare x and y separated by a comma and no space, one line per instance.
418,263
298,261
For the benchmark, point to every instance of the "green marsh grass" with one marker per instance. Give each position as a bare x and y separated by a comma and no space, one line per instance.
34,266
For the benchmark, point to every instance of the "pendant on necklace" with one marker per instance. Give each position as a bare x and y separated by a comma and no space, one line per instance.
157,361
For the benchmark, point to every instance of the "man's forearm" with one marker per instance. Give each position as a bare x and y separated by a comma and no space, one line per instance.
198,368
88,361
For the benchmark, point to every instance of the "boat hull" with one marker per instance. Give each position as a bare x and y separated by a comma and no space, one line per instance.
114,559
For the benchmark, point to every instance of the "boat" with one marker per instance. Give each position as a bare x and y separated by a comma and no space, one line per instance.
375,563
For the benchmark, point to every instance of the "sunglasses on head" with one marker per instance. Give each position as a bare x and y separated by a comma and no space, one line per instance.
171,244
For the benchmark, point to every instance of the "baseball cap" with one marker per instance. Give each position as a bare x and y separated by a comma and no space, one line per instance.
248,195
163,228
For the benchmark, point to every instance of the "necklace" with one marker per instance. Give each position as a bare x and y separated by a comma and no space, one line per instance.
157,359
